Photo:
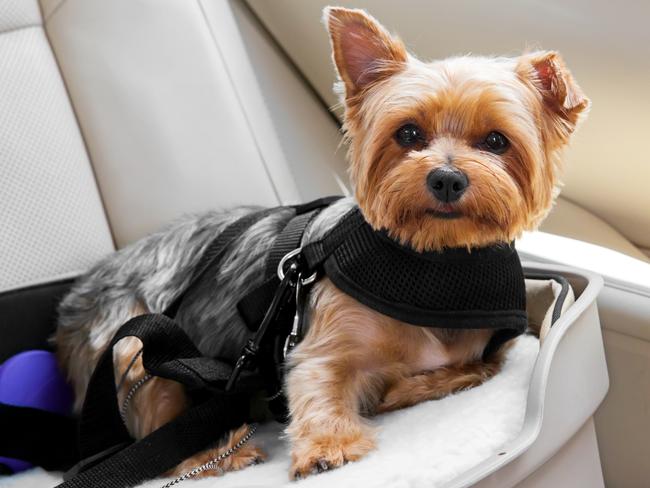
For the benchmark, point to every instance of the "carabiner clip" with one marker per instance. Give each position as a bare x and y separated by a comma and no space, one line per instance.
290,255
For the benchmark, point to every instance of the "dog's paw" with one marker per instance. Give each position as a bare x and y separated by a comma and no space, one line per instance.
245,456
316,455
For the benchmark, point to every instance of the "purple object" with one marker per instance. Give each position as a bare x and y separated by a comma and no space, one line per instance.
33,379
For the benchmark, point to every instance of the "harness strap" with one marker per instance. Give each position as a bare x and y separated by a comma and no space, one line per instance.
165,346
288,240
253,305
168,353
163,449
315,253
215,251
110,456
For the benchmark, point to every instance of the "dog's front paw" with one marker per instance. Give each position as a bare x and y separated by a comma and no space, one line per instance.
323,453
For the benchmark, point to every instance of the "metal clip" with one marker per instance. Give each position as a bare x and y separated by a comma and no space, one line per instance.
251,349
296,329
287,257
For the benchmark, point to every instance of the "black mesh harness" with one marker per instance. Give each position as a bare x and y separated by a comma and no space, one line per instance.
455,288
482,288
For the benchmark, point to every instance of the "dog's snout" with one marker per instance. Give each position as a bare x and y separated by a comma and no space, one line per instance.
447,184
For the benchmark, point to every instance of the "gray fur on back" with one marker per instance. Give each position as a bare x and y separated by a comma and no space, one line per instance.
150,273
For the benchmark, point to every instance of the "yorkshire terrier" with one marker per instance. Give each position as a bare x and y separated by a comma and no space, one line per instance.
463,152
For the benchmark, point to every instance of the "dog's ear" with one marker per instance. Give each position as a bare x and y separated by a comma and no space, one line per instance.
363,51
563,99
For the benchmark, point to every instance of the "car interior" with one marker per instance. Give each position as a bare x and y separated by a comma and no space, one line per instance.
117,117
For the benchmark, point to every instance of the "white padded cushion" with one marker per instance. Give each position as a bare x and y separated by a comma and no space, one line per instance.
15,14
52,222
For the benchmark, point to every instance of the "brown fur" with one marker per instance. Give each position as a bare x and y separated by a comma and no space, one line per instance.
354,361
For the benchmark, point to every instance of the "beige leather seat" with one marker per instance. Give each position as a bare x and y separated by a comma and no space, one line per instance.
117,116
571,220
52,222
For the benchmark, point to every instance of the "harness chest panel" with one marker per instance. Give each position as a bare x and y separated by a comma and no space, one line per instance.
454,288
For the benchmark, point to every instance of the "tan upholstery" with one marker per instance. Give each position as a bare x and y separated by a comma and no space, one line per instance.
571,220
606,46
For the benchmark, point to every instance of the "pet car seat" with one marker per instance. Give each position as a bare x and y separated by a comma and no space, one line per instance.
119,116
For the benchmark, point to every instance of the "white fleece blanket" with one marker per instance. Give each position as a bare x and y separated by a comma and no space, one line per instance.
423,446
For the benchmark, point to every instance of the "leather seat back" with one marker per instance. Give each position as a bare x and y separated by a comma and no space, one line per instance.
187,106
52,223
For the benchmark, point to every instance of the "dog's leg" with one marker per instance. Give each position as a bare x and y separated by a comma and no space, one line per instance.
329,383
326,428
436,384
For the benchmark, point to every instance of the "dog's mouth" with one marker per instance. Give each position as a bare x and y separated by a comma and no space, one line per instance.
445,211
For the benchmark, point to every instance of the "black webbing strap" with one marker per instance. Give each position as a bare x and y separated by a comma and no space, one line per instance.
57,447
43,438
163,449
215,251
253,306
319,203
291,236
168,353
288,240
315,253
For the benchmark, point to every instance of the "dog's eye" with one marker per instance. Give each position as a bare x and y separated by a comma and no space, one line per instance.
409,135
496,142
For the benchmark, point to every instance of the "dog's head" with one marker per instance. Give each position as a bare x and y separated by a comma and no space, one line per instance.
456,153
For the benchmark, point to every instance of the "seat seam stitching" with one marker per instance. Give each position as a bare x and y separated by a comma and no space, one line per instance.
22,27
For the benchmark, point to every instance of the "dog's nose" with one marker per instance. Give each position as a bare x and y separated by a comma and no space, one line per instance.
447,184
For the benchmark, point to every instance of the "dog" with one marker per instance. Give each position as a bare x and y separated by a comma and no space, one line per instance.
463,152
